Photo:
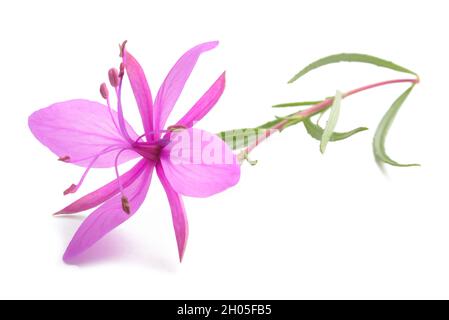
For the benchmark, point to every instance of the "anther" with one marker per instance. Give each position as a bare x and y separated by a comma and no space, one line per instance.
177,127
122,48
104,91
64,159
70,189
125,205
113,77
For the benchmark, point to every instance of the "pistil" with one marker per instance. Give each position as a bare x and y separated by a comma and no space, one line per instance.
74,187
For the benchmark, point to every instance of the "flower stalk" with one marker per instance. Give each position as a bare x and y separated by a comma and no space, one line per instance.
313,110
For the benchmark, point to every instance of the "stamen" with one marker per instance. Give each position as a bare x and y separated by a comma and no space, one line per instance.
122,70
122,48
177,127
125,205
139,138
64,159
104,91
121,119
114,79
112,117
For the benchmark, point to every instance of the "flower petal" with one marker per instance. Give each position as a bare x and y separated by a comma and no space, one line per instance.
173,84
141,91
104,193
109,215
178,212
204,104
199,164
78,130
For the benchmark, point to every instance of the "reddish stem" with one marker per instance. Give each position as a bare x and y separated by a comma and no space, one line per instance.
317,108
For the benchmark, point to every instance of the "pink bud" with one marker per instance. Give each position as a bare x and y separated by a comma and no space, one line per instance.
113,77
104,91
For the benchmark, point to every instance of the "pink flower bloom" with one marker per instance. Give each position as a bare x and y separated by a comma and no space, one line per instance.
92,135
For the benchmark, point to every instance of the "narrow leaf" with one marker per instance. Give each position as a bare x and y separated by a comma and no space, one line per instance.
290,117
271,123
350,57
317,132
382,131
241,138
331,122
296,104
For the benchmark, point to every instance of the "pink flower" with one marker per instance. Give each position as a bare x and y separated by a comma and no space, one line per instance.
92,135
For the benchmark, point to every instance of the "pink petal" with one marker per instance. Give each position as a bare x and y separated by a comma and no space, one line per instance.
173,84
141,91
104,193
178,212
109,215
78,130
199,164
204,104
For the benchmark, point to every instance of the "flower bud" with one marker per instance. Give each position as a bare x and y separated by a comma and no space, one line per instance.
113,77
104,91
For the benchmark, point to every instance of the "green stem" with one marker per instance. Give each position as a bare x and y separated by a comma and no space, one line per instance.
319,107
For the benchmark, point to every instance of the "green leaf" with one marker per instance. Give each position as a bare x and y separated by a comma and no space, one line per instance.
382,131
350,57
241,138
291,117
317,132
296,104
270,124
331,122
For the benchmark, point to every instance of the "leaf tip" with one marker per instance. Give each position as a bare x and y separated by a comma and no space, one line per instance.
294,78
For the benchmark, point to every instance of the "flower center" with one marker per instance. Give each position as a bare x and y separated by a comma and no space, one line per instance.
148,150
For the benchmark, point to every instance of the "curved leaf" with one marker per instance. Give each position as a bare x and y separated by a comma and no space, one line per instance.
331,122
317,132
350,57
382,131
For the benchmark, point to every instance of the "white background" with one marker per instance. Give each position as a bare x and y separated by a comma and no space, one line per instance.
299,224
